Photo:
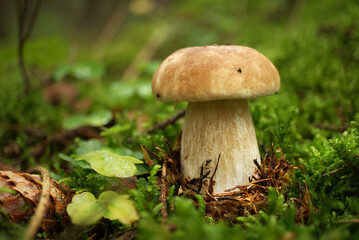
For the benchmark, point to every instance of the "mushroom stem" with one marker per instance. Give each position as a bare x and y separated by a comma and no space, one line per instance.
219,127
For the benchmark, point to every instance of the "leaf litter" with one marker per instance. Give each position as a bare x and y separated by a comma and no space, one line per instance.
241,200
22,203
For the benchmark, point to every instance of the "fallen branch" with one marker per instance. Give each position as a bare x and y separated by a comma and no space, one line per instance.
340,128
334,171
245,185
169,121
348,221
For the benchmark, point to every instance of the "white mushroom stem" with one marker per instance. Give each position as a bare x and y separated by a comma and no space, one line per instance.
219,127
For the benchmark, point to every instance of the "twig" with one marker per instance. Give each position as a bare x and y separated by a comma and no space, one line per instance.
202,176
300,190
340,128
257,164
151,153
169,121
349,221
20,128
92,236
23,35
211,181
42,206
209,195
264,148
334,171
247,185
171,153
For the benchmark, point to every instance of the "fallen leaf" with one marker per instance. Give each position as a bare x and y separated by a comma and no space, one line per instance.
22,195
111,164
84,209
119,207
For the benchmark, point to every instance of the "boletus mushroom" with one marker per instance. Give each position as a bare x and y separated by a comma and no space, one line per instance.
216,81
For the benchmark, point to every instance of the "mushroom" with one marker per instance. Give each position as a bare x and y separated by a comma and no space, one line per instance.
216,81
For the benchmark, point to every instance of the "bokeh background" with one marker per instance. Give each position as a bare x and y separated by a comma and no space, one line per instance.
89,60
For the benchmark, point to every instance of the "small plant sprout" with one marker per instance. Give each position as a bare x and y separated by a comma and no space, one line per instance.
216,81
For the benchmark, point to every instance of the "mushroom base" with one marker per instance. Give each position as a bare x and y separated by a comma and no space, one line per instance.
222,127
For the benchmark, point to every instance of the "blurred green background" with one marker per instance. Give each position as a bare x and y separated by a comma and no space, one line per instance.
89,60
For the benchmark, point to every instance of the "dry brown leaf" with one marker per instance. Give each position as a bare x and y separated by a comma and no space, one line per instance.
22,205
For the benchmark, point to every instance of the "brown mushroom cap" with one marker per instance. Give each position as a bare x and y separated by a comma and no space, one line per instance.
213,73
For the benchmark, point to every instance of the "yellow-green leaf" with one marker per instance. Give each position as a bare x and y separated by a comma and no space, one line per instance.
111,164
84,209
118,207
132,159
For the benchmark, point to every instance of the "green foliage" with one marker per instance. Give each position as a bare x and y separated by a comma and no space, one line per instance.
341,154
147,194
82,179
268,226
82,71
85,210
98,118
88,146
333,183
347,149
189,223
276,223
7,190
80,163
276,203
201,204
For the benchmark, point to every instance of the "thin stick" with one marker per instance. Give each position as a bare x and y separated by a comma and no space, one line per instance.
209,195
214,173
334,171
169,121
42,206
246,185
151,153
170,148
349,221
340,128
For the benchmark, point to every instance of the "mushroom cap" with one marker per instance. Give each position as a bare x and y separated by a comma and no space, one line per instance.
214,72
